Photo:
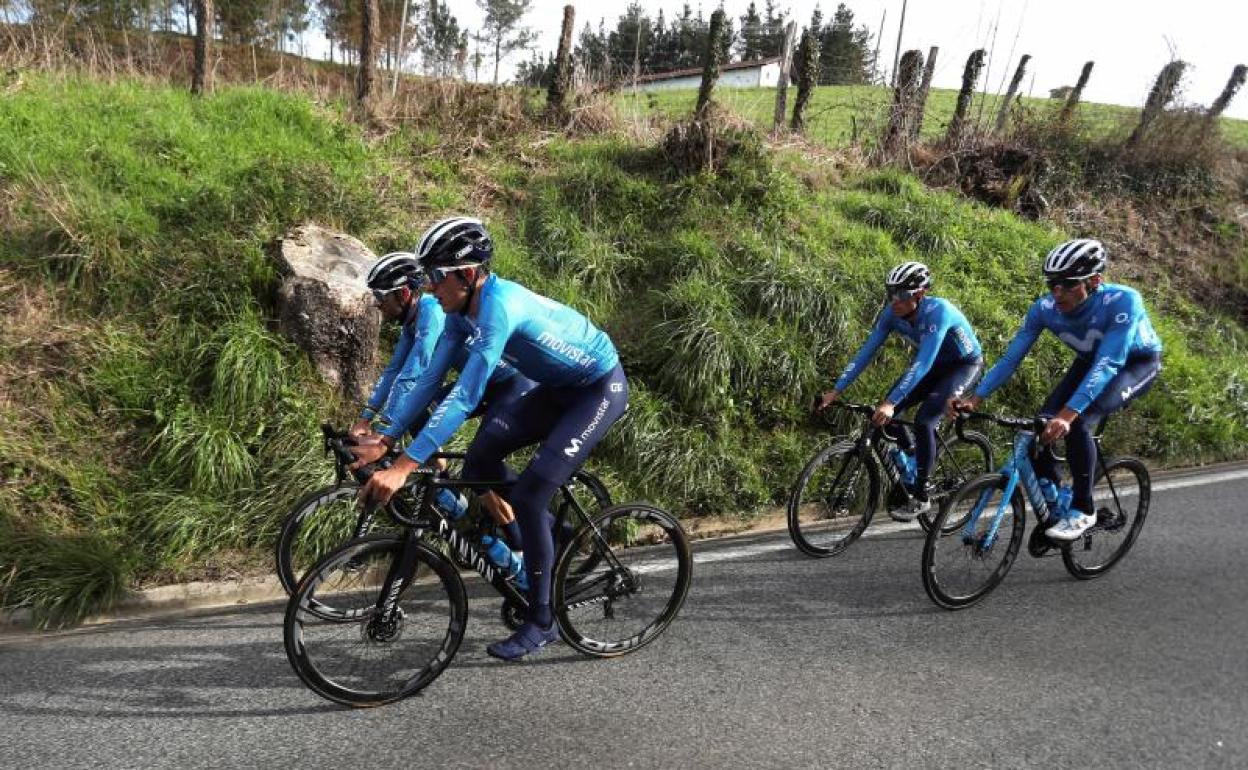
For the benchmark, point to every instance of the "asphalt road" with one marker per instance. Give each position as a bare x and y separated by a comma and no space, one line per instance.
777,660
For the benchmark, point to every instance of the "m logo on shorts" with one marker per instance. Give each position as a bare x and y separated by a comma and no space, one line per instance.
573,448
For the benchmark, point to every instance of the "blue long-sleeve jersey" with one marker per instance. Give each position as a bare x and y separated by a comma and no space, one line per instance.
938,330
422,325
548,342
1109,327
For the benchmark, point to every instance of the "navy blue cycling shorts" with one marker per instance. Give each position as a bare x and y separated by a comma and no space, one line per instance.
1133,380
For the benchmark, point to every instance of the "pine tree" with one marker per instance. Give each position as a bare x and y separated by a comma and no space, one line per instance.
750,45
502,27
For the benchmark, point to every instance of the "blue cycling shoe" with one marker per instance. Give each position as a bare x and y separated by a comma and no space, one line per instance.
530,638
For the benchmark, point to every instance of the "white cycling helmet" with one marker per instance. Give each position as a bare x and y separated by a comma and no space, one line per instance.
1075,260
908,276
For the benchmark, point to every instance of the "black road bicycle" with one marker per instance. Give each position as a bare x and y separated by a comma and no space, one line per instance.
980,527
380,617
334,514
843,485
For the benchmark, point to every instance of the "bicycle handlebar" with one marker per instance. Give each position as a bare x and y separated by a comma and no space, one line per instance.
863,409
1035,424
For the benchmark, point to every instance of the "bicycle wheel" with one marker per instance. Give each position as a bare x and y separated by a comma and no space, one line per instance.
964,460
615,597
320,521
355,661
833,500
960,566
1121,496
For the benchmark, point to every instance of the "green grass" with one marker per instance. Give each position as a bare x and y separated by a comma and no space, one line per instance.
838,114
152,423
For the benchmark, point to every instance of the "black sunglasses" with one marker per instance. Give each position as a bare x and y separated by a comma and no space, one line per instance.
1066,284
905,295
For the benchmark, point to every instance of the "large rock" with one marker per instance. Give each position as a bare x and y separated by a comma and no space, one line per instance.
324,307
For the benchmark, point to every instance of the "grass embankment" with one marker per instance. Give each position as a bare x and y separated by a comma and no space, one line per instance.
839,114
152,426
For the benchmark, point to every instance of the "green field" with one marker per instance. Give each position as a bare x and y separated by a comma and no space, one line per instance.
835,112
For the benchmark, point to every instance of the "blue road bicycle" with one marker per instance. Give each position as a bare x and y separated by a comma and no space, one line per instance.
962,564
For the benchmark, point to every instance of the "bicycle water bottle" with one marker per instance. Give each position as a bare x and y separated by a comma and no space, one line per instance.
1064,495
453,505
906,465
1049,490
507,560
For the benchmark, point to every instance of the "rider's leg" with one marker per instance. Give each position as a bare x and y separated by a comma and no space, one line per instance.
574,423
1046,463
1134,379
950,382
498,436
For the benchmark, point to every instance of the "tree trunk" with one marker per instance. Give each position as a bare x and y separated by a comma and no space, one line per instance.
901,29
1163,91
782,83
394,87
1072,99
1003,114
903,97
974,63
367,74
498,52
710,63
807,77
920,101
201,77
561,83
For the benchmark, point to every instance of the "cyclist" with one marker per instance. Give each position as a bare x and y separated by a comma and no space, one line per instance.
581,392
397,282
947,361
1117,359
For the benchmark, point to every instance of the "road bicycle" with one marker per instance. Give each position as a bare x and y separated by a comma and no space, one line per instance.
963,564
843,485
334,514
380,617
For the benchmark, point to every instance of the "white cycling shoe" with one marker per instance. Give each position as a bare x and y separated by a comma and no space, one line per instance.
1070,527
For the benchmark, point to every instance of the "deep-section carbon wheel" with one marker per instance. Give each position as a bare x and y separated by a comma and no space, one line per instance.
833,500
1121,496
961,565
613,597
319,522
357,660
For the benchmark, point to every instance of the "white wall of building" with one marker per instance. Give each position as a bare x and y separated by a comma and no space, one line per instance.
744,77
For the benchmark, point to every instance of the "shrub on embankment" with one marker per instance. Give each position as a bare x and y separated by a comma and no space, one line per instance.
153,427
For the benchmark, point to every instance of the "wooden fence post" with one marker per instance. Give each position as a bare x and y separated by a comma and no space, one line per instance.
1003,114
920,102
561,83
782,83
807,77
710,63
1072,98
970,74
903,97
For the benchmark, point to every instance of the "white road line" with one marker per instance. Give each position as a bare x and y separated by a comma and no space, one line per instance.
891,527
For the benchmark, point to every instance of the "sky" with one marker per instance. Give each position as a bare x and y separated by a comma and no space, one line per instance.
1130,40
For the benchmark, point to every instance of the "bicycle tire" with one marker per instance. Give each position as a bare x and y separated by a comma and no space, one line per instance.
329,515
1116,526
818,528
949,554
603,610
946,480
311,640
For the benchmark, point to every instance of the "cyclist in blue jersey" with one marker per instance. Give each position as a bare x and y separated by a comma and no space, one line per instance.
1117,359
395,281
947,361
581,392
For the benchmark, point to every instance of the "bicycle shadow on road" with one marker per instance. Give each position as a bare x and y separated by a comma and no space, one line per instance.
205,665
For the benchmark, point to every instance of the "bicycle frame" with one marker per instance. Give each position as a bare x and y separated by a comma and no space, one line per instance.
1017,468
